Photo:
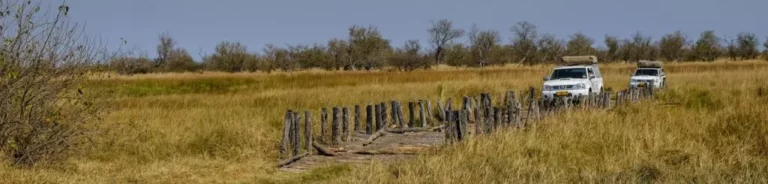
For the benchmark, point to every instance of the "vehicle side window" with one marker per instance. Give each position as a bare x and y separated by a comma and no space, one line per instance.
590,73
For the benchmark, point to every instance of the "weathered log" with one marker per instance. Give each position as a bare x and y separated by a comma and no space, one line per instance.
368,119
336,126
308,130
422,115
322,150
292,159
375,136
357,119
411,118
285,142
346,134
323,124
296,140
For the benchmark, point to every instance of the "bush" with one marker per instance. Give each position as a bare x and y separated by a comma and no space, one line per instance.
43,115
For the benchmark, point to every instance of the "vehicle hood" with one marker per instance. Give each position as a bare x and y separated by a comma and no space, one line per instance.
560,82
645,77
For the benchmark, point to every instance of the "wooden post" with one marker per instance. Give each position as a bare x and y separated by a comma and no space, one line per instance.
478,121
448,105
383,115
429,112
497,118
422,117
461,127
449,129
296,134
357,119
606,99
308,130
286,134
393,106
336,127
400,117
377,117
323,125
411,120
368,119
531,105
346,134
440,111
489,120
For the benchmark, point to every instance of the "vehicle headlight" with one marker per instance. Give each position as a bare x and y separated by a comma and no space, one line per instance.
580,86
547,88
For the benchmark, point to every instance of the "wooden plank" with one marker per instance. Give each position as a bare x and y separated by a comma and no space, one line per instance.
285,142
292,159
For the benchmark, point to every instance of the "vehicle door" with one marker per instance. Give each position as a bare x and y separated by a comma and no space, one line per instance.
595,85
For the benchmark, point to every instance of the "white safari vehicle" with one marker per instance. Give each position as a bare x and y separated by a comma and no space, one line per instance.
579,76
649,73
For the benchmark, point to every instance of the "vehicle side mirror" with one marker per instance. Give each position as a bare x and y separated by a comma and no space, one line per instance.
546,78
591,77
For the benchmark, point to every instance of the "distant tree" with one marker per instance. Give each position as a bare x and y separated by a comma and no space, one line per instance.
483,43
707,48
229,56
612,51
179,60
748,46
458,55
440,35
642,48
765,52
131,63
278,58
408,58
307,57
580,44
339,52
550,48
672,46
731,49
164,49
523,42
367,47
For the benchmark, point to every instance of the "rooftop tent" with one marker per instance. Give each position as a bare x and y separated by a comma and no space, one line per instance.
580,60
649,64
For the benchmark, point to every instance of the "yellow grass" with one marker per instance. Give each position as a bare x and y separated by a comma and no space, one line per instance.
709,126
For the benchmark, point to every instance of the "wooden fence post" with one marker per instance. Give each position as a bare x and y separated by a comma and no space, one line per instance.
400,117
323,124
440,111
368,119
357,119
422,117
607,99
393,114
448,105
478,120
336,127
377,117
346,134
308,131
462,125
411,120
383,115
429,112
286,134
448,129
296,134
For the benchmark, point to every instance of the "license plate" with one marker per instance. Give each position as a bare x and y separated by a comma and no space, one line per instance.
641,85
561,93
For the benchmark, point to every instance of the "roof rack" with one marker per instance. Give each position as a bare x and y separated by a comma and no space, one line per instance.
579,60
649,64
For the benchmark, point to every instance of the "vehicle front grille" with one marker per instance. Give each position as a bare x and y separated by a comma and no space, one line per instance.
562,87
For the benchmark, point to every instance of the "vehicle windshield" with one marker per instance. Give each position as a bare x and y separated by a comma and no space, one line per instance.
646,72
575,73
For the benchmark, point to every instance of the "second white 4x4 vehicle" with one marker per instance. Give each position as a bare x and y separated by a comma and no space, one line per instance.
580,76
649,72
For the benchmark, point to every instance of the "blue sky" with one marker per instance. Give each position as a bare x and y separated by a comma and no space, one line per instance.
198,25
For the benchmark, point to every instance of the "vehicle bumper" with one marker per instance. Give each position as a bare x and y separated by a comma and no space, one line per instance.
568,93
641,84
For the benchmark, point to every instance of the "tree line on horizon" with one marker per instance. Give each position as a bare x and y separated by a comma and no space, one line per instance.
366,49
